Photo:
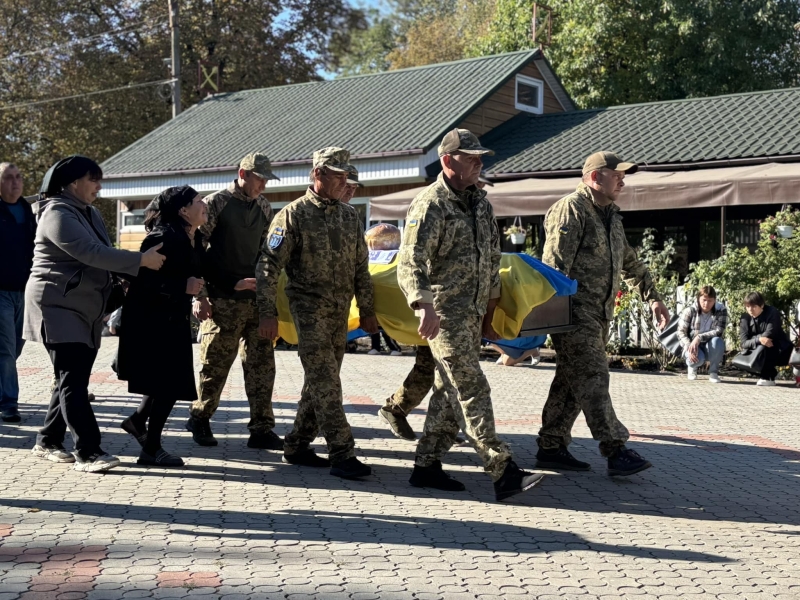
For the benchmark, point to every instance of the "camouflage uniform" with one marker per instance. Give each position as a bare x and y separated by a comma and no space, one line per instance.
416,385
320,243
587,243
450,257
234,326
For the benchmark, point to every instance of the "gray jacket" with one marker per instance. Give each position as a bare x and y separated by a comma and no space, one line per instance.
70,281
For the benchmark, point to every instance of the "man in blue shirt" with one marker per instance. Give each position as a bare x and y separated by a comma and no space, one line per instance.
17,230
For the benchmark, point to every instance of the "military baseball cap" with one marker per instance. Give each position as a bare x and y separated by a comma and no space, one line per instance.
608,160
462,140
352,176
258,164
336,159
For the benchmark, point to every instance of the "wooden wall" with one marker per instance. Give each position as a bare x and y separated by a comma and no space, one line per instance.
499,107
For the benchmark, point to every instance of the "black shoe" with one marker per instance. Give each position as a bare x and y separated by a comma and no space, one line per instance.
398,424
91,397
265,440
162,458
434,477
560,459
514,481
306,458
140,433
460,441
201,431
351,468
626,462
10,416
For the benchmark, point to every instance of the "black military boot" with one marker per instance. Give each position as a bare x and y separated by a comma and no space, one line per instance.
201,431
350,468
625,462
398,424
265,440
306,458
434,477
560,459
514,481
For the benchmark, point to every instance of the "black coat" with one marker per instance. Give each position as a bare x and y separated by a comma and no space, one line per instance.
768,324
155,347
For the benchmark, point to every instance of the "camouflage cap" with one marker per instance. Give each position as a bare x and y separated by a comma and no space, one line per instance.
462,140
258,164
352,176
336,159
608,160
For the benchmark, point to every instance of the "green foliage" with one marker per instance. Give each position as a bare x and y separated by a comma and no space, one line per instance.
370,47
772,269
609,52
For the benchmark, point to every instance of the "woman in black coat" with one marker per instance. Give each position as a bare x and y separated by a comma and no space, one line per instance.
155,351
762,326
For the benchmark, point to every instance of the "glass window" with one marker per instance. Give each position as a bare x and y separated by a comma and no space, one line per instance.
530,94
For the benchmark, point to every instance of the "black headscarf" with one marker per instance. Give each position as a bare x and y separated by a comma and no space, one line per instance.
67,170
165,208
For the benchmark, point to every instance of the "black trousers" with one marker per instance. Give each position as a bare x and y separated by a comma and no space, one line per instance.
775,357
69,404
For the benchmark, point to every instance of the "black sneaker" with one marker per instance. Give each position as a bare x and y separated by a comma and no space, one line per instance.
434,477
460,441
560,459
515,481
10,415
201,431
265,440
140,433
398,424
351,468
306,458
626,462
162,458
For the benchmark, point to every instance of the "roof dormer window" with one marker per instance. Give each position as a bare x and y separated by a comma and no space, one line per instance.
529,94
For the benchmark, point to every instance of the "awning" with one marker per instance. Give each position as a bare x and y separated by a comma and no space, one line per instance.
772,183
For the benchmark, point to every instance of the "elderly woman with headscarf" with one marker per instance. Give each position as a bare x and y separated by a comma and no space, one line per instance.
155,352
65,300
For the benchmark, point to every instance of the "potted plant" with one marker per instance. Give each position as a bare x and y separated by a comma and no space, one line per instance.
516,232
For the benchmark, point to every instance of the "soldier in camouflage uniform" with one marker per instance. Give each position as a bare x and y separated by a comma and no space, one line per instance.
449,271
239,218
320,242
585,240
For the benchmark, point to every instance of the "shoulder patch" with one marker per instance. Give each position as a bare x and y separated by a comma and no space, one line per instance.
275,238
563,230
413,223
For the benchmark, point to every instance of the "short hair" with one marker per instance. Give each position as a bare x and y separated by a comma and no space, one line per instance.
754,299
5,166
707,290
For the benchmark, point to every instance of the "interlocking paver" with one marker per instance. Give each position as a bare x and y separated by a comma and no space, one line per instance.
715,518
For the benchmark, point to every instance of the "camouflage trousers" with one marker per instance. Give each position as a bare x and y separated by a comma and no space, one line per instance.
234,327
416,385
322,337
581,384
461,398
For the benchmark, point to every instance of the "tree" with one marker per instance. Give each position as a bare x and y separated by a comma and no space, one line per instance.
610,52
370,47
258,43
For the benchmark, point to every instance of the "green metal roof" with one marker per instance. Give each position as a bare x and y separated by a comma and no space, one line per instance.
394,112
719,128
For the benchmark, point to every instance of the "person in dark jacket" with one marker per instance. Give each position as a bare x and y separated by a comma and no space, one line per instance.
155,352
17,230
762,326
65,300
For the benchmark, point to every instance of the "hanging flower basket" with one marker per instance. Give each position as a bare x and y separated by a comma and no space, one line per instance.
516,232
518,238
785,231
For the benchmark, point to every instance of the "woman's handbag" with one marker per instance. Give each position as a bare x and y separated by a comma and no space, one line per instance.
669,337
751,361
794,360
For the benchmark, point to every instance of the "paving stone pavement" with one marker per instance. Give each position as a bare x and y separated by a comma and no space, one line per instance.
717,516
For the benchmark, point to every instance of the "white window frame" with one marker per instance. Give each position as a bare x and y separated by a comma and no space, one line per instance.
131,213
531,82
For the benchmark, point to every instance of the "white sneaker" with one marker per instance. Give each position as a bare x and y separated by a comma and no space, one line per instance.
499,361
96,463
713,378
765,382
54,454
373,352
692,375
395,353
535,360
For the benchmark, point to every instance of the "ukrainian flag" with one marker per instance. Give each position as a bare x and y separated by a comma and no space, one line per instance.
525,284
